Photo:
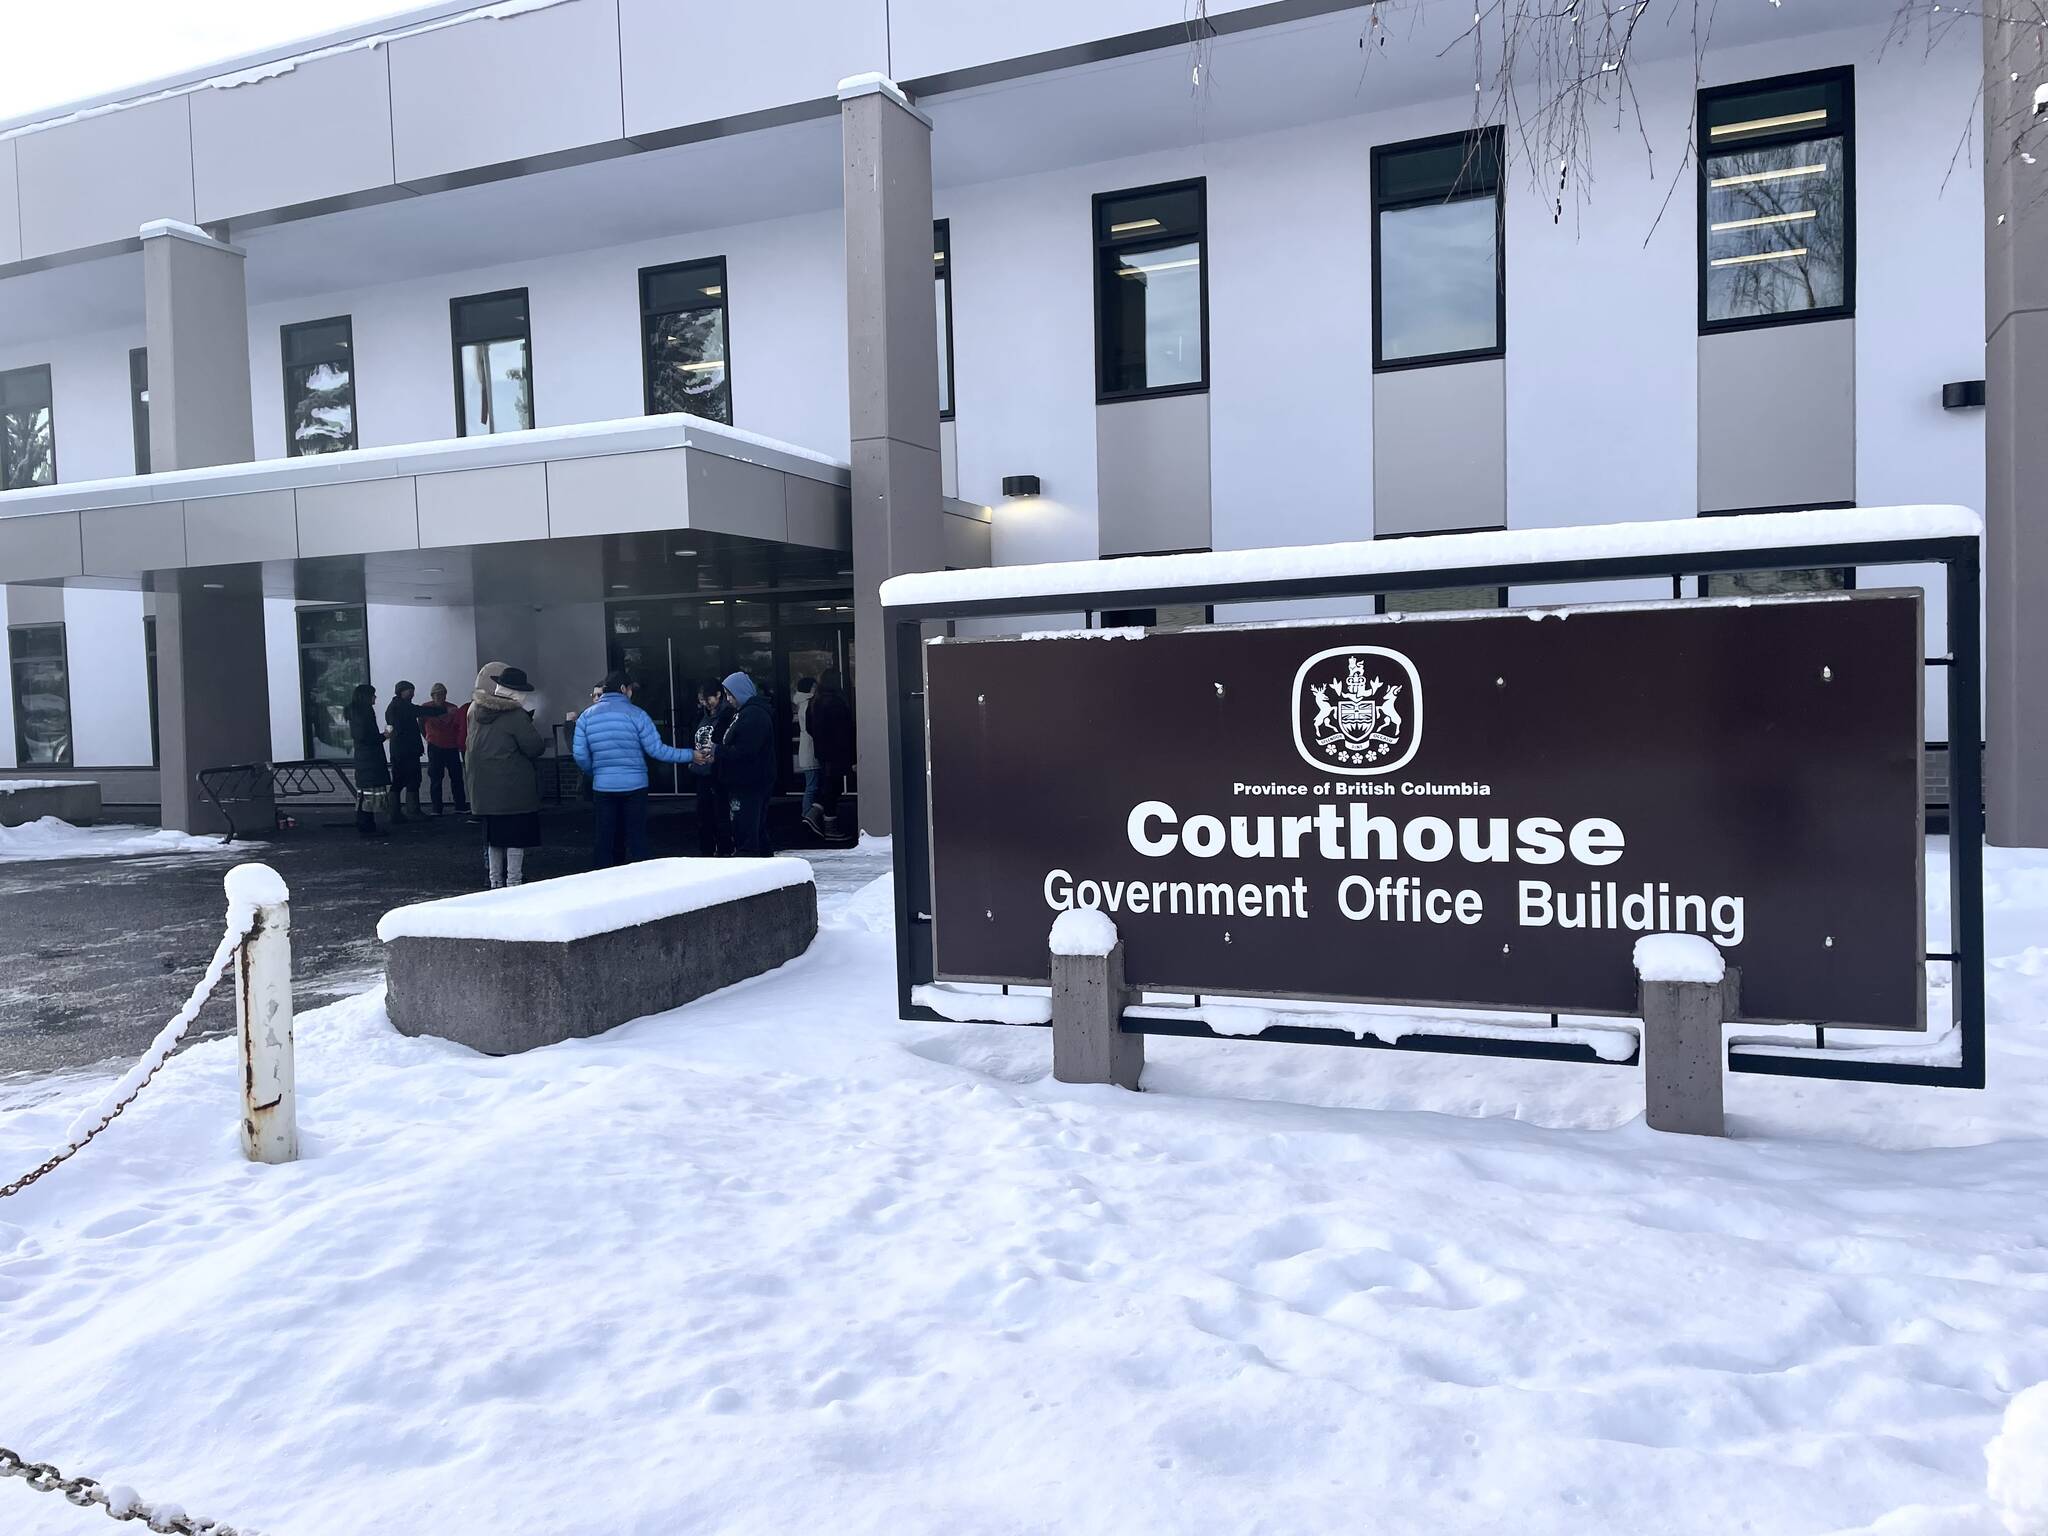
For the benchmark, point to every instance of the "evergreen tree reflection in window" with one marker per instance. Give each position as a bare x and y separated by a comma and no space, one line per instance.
683,336
28,440
319,387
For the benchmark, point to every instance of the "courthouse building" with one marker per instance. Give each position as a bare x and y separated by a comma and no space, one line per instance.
586,333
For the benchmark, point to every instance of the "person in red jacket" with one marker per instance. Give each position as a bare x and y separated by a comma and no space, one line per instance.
447,739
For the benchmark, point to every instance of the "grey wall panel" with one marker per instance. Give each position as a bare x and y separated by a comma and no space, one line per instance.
99,179
1152,474
493,90
949,457
1439,448
484,506
34,605
226,530
621,493
196,299
321,130
818,515
730,496
1778,416
38,548
10,206
357,518
766,55
124,541
969,543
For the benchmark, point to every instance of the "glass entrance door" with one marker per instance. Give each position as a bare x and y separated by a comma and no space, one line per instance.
810,650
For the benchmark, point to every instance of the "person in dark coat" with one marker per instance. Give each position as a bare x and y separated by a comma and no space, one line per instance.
504,782
830,724
408,746
745,764
714,810
373,772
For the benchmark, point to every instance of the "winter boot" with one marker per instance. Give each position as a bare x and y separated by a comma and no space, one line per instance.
814,818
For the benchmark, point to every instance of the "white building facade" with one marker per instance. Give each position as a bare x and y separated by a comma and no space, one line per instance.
1363,315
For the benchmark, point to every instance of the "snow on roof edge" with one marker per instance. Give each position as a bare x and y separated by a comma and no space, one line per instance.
1446,551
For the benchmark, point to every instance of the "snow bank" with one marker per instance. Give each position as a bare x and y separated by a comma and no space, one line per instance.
600,901
1082,931
1679,957
1664,536
2018,1483
49,838
964,1005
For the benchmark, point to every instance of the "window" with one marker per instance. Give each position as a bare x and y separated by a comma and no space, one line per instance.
138,405
493,363
334,656
28,433
1151,292
1777,214
942,296
42,694
156,746
683,340
1438,265
319,387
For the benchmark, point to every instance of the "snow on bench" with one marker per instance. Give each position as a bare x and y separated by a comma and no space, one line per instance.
509,970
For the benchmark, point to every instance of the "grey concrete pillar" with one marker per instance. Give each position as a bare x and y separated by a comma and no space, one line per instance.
2015,449
1088,1042
893,377
1682,1054
213,686
197,307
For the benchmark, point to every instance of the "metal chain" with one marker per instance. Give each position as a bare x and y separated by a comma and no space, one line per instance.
120,1503
58,1159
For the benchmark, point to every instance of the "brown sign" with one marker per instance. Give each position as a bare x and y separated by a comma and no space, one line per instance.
1484,810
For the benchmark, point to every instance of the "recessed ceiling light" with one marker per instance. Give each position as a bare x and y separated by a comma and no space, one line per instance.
212,586
433,570
618,586
421,597
690,552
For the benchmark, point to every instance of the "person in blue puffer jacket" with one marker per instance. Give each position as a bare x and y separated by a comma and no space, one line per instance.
614,739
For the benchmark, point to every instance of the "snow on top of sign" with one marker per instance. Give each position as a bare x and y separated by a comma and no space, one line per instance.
1678,957
1447,552
963,1005
577,906
1243,1020
1082,931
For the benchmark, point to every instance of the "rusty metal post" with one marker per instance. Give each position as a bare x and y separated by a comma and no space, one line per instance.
263,1015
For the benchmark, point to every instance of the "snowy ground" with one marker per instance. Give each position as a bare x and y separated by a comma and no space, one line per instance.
49,838
778,1263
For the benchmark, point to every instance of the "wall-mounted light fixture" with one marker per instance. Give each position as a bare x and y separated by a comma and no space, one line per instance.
1020,485
1962,395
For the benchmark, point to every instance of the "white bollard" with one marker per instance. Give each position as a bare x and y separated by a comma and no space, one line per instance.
263,1014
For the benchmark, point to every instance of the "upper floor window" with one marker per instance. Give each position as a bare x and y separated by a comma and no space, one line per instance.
42,694
1439,272
28,432
942,297
683,340
138,405
1151,291
319,386
493,363
1777,211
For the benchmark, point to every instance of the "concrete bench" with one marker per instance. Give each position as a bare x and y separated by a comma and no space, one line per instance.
24,800
506,971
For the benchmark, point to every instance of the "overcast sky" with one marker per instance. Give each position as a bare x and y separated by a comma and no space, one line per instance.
60,52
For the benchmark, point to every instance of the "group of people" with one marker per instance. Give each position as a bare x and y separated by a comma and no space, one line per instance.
489,752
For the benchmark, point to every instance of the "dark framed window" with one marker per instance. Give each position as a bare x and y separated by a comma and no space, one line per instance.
1827,578
942,297
138,405
319,386
1439,251
42,694
1777,210
156,746
28,429
493,345
1151,291
683,340
1439,599
334,656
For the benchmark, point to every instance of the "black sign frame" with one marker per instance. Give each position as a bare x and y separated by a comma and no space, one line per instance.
1959,557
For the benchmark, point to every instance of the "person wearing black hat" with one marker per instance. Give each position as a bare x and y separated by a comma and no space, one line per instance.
504,781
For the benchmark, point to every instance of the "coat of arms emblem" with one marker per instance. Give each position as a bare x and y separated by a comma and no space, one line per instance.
1357,710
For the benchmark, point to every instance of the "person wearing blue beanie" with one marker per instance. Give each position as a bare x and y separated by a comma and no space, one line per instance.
745,764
